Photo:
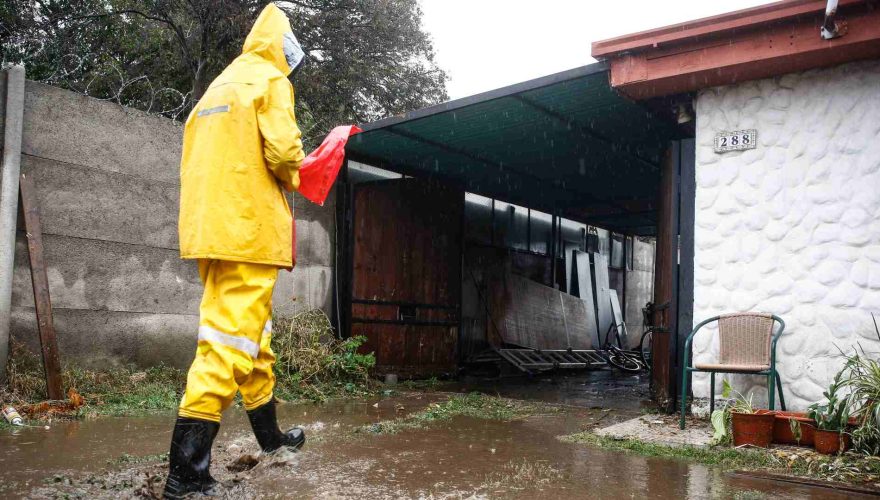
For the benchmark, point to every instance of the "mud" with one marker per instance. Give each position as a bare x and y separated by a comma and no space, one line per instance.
458,458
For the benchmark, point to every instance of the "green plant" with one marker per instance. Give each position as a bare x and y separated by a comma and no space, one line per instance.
312,363
114,390
832,415
795,427
721,420
862,379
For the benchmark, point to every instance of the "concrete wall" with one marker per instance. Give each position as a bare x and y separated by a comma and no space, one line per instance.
107,183
792,227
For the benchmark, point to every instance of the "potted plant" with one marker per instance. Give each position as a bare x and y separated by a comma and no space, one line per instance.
793,427
831,419
749,426
862,379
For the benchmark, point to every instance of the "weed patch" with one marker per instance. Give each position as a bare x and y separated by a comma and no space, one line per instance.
725,457
474,405
115,391
850,467
311,364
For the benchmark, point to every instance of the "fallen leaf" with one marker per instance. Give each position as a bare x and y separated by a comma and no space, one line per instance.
76,400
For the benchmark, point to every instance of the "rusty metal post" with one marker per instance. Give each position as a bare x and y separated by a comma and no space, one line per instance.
43,304
9,202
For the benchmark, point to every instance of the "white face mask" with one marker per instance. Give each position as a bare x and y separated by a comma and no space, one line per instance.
293,51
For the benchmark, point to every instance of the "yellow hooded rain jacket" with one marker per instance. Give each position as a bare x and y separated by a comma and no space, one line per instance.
241,145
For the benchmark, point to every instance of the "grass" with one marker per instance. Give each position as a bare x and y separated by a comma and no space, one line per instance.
725,457
474,405
519,475
312,364
116,391
849,467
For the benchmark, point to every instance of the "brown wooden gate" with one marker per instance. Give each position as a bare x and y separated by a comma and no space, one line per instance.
406,276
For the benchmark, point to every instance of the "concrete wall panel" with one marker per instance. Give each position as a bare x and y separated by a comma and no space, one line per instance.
99,339
102,275
88,203
73,128
107,183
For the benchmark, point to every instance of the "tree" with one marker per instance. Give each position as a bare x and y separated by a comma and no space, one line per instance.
367,58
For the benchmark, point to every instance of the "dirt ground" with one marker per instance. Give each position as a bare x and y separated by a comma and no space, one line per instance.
462,457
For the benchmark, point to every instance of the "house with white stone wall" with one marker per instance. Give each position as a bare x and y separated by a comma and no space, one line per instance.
792,225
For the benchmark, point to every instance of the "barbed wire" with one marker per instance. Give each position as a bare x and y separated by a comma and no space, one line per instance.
106,82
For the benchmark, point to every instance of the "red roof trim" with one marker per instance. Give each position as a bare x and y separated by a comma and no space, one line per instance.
714,25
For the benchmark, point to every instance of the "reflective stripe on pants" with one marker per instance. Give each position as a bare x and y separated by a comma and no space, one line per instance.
235,332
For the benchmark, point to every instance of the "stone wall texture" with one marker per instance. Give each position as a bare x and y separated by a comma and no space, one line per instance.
107,184
792,227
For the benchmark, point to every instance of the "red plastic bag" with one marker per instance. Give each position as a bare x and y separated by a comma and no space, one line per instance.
320,168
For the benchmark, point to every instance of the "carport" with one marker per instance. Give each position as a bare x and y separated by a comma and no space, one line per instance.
566,145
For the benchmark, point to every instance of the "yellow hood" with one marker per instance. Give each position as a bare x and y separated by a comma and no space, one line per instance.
266,38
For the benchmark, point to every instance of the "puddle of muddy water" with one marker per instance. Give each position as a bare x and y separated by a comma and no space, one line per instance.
601,388
30,456
458,458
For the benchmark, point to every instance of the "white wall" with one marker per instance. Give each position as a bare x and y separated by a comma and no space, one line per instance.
792,227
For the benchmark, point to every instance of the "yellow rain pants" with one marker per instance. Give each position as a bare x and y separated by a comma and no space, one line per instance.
235,330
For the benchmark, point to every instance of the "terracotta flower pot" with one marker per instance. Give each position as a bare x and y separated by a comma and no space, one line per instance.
755,429
830,442
782,428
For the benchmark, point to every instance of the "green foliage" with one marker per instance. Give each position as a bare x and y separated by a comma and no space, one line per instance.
311,363
795,427
740,403
832,415
119,390
721,419
729,458
862,378
473,405
849,467
720,427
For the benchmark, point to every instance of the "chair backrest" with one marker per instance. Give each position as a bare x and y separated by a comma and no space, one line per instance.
745,338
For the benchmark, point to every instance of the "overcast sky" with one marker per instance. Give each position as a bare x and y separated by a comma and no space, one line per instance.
486,44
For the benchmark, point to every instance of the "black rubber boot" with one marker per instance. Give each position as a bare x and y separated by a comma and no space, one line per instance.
190,458
264,422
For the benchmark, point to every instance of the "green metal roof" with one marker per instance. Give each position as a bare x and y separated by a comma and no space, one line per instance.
565,142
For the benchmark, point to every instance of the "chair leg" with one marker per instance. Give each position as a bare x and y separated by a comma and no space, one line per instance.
712,394
781,395
771,390
684,392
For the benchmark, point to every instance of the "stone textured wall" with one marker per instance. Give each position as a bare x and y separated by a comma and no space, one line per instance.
107,184
792,227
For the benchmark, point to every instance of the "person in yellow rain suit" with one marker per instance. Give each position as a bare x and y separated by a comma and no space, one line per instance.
241,146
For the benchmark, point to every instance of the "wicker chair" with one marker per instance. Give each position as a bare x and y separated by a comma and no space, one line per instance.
748,345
